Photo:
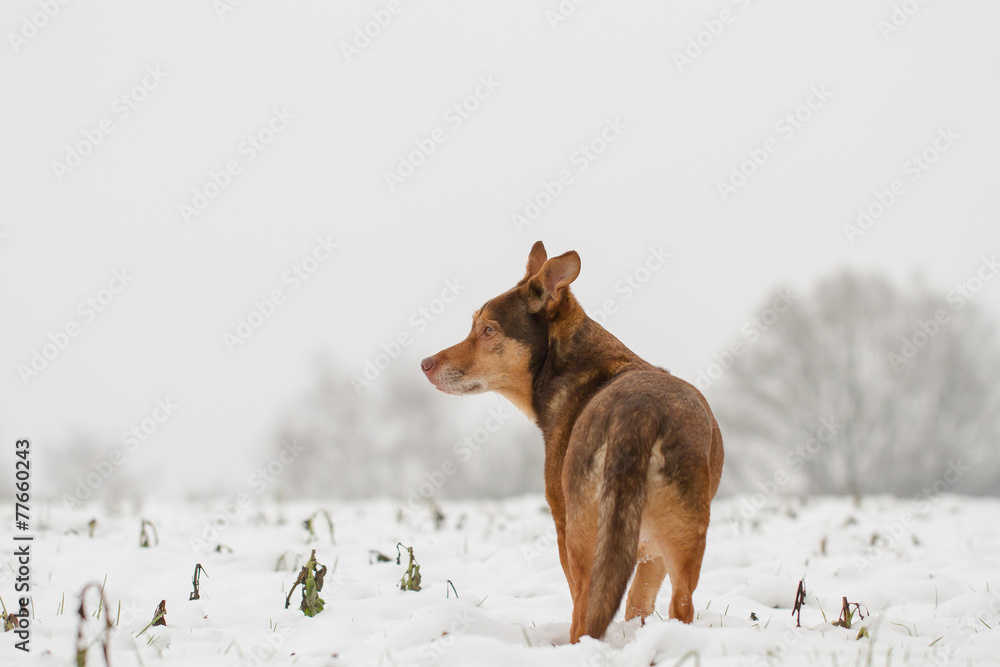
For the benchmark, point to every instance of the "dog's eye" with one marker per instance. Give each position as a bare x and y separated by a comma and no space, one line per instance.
489,331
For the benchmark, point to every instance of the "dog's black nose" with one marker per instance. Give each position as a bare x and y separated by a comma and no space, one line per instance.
427,364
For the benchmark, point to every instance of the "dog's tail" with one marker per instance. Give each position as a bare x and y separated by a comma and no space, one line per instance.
620,504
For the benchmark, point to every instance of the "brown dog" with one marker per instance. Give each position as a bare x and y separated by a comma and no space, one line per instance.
633,454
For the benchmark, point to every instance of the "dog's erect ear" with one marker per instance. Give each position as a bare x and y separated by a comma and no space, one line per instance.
551,282
536,258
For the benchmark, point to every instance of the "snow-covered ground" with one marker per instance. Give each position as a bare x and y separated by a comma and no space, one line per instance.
926,571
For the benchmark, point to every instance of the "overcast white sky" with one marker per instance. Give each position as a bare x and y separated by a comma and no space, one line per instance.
183,85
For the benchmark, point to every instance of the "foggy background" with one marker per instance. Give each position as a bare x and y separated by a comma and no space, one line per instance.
229,231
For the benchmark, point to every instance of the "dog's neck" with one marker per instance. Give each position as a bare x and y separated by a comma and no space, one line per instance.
582,355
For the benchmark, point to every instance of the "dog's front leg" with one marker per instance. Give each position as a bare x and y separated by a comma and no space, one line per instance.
557,505
563,559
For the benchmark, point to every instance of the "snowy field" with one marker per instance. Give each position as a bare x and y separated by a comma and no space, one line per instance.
925,572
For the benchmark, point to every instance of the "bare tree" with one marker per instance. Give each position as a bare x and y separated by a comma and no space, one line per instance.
861,388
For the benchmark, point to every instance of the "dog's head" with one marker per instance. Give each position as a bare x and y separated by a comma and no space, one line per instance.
511,333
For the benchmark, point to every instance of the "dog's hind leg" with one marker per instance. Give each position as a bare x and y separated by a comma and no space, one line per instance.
649,577
681,537
684,572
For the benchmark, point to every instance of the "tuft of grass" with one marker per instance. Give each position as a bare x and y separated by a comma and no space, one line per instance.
310,525
195,581
160,614
10,621
904,626
820,605
311,578
800,600
104,637
847,614
159,618
439,517
144,534
376,556
100,604
411,578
